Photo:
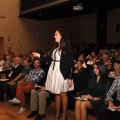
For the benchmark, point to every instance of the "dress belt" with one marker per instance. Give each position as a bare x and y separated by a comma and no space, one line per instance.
54,63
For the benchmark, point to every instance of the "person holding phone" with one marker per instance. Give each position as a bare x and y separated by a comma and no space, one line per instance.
59,77
38,100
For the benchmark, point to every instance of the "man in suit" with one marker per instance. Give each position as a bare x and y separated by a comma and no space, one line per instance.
4,86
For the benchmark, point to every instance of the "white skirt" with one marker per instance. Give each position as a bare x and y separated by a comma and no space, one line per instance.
55,82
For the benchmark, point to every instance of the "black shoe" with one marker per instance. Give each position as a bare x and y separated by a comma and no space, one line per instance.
40,117
33,113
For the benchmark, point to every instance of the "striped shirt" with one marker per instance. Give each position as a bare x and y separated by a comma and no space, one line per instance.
115,87
35,76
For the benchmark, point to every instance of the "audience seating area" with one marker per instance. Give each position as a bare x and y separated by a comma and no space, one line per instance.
80,78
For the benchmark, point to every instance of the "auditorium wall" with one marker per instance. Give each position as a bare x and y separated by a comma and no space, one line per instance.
20,35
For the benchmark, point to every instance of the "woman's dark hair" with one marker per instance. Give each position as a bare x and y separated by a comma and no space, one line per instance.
64,39
102,71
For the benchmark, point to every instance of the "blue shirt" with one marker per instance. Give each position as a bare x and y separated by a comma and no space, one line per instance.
25,72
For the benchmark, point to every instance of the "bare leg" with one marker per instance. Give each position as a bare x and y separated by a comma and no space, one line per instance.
77,109
83,108
57,105
64,104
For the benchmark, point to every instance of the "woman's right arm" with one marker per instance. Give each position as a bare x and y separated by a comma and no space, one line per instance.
42,57
35,54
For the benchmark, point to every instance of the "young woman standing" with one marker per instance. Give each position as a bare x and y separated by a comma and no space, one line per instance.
59,78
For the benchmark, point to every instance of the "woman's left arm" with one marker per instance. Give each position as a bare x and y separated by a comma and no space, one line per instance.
70,60
118,109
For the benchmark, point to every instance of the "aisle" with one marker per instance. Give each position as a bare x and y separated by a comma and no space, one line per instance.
7,112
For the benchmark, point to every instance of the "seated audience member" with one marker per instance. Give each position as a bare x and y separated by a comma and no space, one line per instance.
1,60
90,61
116,69
109,66
84,64
17,67
10,87
116,55
91,72
28,84
80,79
14,72
7,65
105,59
93,55
31,61
38,100
112,55
103,112
97,88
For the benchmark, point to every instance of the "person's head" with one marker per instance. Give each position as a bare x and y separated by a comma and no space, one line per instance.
81,58
79,64
105,57
93,54
100,70
90,58
37,63
94,59
17,61
8,58
116,53
112,54
116,65
109,61
108,52
61,37
12,55
2,57
26,63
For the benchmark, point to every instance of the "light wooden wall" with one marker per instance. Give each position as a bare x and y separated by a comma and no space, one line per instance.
23,34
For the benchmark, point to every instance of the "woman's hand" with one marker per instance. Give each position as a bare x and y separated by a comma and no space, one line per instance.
118,109
11,83
70,83
89,97
36,85
84,96
42,89
110,104
35,54
96,98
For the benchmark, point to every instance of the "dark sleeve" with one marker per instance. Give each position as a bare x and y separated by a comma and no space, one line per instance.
46,59
70,60
16,72
91,85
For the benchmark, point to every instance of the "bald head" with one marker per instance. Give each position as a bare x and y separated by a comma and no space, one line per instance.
17,60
